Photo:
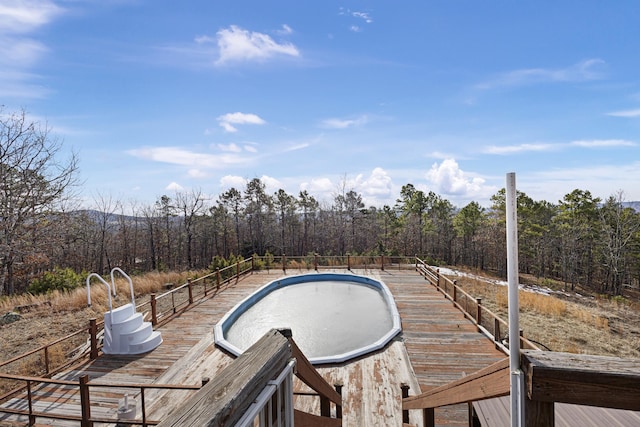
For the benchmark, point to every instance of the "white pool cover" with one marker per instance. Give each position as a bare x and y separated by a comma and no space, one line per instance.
333,317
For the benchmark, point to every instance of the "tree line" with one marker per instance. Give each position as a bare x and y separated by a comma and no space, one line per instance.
579,240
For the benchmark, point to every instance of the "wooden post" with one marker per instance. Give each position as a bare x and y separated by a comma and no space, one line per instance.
154,313
46,359
237,270
205,381
455,291
349,262
496,331
85,403
217,279
405,393
173,302
382,262
429,415
32,418
93,337
521,343
190,287
284,263
253,263
325,407
479,312
538,414
315,261
338,388
438,279
143,407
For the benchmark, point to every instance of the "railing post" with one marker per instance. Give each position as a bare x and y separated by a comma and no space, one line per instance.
85,403
325,407
315,261
496,331
46,359
142,406
521,343
154,313
253,263
284,263
455,291
429,415
479,312
237,270
32,418
405,393
217,279
338,388
382,262
190,287
438,279
93,337
349,262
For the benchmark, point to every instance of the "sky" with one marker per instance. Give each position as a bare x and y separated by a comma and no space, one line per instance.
158,97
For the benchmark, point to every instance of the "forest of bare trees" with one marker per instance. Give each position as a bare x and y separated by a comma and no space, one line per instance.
579,239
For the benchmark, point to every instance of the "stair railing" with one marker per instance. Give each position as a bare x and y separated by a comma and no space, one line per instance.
126,276
103,282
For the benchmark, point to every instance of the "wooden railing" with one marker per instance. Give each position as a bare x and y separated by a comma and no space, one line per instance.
550,377
81,389
227,398
486,321
317,262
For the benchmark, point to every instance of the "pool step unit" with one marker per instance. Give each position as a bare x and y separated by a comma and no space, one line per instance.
126,332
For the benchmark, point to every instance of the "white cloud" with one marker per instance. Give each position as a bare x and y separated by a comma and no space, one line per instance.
182,157
335,123
232,148
377,184
285,30
607,143
363,15
197,173
590,69
355,29
25,16
625,113
233,181
19,52
449,179
174,186
236,44
317,185
511,149
271,185
228,120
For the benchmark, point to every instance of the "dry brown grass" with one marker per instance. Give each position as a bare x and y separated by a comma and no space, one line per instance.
567,323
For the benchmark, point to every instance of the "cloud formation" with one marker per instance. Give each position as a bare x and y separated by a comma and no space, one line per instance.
19,52
228,120
590,69
198,164
449,179
335,123
625,113
236,44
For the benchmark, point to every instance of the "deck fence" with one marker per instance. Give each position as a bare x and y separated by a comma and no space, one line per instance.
171,303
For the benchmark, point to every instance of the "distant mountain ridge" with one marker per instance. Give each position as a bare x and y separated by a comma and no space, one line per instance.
634,205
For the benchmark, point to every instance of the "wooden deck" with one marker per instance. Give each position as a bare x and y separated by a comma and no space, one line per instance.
437,345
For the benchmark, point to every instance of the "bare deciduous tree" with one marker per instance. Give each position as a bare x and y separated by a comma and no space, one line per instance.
32,180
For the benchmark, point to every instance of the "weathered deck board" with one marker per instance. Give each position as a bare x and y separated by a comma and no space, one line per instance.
437,345
442,345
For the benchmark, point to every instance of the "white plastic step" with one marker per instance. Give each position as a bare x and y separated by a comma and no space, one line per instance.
130,324
139,334
119,314
151,342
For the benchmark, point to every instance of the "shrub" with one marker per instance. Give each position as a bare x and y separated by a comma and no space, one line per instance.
61,279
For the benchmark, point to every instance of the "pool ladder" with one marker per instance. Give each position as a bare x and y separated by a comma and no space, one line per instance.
125,331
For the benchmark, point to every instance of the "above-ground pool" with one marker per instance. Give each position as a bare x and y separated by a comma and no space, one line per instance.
333,317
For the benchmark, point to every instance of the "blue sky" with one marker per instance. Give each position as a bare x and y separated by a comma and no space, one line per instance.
162,96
